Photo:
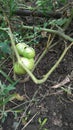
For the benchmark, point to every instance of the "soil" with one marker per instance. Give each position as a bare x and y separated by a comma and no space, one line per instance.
43,101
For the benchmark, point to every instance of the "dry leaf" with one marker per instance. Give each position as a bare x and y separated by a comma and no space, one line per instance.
44,34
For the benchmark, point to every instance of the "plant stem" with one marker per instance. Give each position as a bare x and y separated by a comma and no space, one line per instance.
13,43
58,32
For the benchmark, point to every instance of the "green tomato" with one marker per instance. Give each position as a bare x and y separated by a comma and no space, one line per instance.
29,52
18,69
20,48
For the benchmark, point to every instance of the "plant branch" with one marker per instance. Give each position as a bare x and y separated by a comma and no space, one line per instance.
57,32
13,43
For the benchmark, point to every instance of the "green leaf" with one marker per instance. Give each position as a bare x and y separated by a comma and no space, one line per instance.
8,89
6,76
44,122
6,100
4,47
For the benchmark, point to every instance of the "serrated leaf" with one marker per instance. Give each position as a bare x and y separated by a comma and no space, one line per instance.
4,47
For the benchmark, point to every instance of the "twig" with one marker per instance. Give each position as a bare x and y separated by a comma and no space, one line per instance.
62,83
29,121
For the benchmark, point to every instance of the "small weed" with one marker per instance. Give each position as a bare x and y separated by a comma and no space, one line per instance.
5,97
42,124
67,90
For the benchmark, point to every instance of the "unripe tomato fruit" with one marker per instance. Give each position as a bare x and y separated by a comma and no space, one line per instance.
18,69
20,48
29,52
25,51
29,63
